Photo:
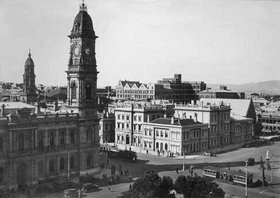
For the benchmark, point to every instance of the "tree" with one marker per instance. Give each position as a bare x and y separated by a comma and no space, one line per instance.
193,187
165,187
150,185
147,185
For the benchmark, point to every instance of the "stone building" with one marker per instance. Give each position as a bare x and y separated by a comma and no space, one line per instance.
223,92
216,116
175,136
129,122
107,128
35,148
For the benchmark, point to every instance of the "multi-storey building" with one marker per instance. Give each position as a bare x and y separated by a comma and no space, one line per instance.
175,136
34,147
223,92
172,89
181,92
270,122
107,128
130,117
216,116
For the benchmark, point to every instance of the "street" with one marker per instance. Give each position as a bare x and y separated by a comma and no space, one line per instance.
167,166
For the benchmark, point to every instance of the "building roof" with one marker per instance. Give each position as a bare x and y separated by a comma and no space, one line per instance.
239,107
57,93
131,83
178,122
16,105
29,60
217,91
83,23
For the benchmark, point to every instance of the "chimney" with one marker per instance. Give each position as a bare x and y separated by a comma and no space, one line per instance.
172,120
195,115
3,110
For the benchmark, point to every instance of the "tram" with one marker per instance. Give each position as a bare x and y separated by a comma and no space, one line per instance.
237,177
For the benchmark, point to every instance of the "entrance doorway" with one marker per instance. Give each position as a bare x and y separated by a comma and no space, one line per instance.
22,180
127,139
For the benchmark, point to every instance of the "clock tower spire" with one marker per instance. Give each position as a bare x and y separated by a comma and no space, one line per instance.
82,72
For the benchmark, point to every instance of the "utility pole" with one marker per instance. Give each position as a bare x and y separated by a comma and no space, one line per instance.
262,167
246,179
68,165
272,170
184,162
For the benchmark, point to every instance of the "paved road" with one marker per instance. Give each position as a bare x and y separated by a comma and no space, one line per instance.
167,166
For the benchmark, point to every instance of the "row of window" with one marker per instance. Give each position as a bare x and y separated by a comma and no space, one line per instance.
162,133
223,116
127,117
135,91
135,96
123,126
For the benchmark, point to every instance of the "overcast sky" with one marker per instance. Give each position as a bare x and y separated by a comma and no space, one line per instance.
216,41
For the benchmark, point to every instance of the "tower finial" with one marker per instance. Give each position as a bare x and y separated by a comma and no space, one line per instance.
83,7
29,53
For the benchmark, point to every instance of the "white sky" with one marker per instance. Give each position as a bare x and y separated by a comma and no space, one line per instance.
217,41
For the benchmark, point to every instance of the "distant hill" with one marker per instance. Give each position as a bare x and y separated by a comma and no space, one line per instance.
267,87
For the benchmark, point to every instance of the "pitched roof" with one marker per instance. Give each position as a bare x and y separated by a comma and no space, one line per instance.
178,122
130,83
238,106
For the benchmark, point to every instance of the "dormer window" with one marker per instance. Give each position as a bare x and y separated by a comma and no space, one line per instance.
77,27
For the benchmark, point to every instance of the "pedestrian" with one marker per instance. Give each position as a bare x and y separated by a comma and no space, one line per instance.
130,186
109,188
130,178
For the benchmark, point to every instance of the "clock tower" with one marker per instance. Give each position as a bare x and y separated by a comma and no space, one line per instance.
82,73
29,87
81,91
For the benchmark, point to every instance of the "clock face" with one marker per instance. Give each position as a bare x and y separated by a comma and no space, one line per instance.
77,50
87,50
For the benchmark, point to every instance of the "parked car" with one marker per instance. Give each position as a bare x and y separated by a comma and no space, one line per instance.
89,187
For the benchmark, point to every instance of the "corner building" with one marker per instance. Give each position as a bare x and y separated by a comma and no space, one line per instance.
39,148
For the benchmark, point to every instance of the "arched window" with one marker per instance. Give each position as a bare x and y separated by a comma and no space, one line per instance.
73,90
62,136
89,135
40,168
1,143
51,165
1,175
52,139
88,160
61,164
72,137
71,162
40,140
88,92
166,146
157,145
21,142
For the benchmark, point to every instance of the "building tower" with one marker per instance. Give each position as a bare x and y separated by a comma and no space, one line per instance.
29,87
81,91
82,73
